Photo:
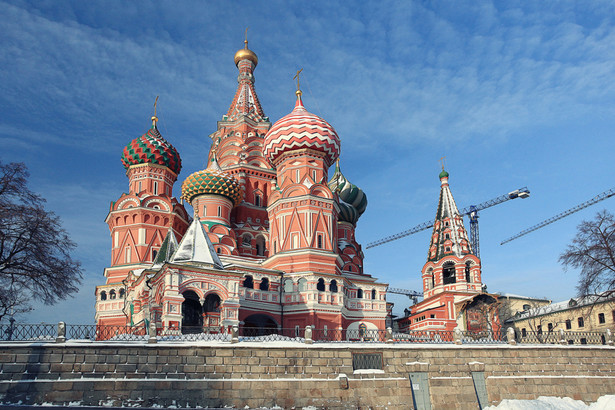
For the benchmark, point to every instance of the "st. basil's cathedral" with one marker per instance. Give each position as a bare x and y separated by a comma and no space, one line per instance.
271,243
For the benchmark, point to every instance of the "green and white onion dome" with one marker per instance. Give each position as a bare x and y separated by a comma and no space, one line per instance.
352,199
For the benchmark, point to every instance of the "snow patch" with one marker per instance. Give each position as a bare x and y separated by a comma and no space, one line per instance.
555,403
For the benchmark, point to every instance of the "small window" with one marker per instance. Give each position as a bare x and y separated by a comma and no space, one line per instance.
264,284
127,255
319,240
360,293
103,295
155,188
275,247
314,175
601,318
523,332
447,236
154,254
374,294
297,331
122,293
301,285
448,249
219,211
112,294
257,200
218,250
140,187
320,286
581,322
295,241
248,282
246,240
539,329
550,327
333,286
568,324
297,176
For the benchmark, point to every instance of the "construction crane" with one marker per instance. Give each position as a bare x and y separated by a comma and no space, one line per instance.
471,211
410,293
596,199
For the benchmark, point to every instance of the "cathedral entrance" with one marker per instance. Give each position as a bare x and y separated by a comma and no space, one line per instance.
192,318
211,310
259,325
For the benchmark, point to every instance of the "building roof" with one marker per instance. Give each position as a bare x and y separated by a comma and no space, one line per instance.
151,148
195,247
301,129
449,222
573,303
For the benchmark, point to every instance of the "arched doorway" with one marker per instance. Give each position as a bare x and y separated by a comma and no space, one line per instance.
211,311
192,318
259,325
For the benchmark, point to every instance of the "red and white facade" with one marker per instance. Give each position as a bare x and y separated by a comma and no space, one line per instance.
452,283
272,239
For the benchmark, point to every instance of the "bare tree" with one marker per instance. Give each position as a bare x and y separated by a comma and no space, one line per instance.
35,261
593,252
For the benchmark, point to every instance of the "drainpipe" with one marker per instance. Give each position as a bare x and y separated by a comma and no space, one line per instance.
281,301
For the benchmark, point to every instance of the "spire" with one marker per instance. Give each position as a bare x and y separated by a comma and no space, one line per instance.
196,247
154,118
246,103
166,251
449,236
299,103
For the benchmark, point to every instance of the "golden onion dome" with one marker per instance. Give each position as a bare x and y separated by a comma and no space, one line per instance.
246,54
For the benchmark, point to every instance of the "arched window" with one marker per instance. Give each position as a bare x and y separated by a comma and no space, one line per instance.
103,295
319,241
258,200
122,293
301,286
248,282
219,211
112,294
374,294
264,284
246,239
260,246
360,293
288,285
468,276
333,286
320,286
448,273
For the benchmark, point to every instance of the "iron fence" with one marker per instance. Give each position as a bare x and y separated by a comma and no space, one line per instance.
49,332
27,332
561,337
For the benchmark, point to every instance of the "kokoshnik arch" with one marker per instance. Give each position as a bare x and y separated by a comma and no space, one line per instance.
272,240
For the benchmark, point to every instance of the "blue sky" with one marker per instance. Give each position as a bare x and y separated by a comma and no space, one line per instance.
512,93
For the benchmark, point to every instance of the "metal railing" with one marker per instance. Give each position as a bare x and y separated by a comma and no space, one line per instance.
49,332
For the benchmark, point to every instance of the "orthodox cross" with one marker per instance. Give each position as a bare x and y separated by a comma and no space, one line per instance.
296,77
442,162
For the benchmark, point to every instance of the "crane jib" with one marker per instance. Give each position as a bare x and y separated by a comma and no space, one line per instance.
471,211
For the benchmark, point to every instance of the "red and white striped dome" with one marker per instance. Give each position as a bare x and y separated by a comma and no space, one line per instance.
301,129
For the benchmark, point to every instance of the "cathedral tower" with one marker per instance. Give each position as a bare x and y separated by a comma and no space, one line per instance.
140,220
302,210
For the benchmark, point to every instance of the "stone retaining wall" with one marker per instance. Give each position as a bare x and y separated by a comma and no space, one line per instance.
288,376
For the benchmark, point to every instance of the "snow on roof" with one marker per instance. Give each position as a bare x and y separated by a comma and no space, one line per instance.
561,306
196,247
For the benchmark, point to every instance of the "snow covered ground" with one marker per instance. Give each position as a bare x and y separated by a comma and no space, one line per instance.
555,403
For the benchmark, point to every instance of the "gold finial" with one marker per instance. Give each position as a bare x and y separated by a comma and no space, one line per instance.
296,77
442,162
154,118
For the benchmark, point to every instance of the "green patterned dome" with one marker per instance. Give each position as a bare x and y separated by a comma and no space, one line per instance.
212,181
151,148
443,174
353,200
